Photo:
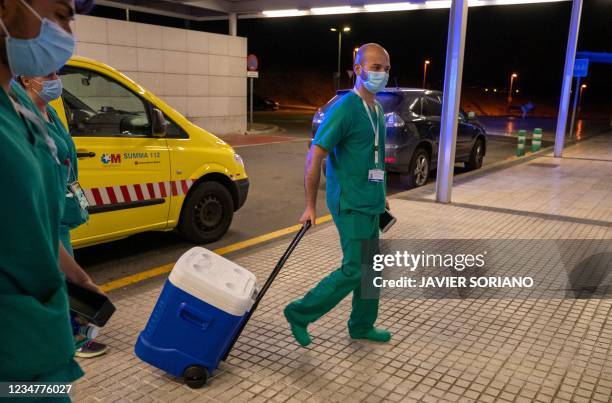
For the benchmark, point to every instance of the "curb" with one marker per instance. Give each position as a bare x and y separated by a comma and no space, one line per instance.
302,107
267,129
429,189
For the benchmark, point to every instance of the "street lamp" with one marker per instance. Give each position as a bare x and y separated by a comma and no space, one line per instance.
582,88
512,77
425,72
340,31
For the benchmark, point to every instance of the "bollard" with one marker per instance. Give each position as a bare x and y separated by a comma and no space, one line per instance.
536,142
520,147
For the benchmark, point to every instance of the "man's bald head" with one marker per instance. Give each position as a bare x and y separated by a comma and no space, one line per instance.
370,57
371,51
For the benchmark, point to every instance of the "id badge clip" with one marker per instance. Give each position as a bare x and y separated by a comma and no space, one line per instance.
376,175
77,191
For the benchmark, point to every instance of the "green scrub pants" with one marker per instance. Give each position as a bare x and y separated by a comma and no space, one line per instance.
353,227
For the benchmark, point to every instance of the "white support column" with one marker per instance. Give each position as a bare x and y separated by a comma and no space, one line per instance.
233,24
568,72
450,103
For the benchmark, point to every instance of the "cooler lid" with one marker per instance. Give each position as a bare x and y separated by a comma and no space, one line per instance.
215,280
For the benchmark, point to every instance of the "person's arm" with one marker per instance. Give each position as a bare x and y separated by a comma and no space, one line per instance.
74,272
330,133
312,178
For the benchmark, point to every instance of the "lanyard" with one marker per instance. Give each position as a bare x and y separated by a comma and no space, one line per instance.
36,121
374,125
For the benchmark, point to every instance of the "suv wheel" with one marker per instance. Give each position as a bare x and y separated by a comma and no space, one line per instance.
476,156
207,214
418,175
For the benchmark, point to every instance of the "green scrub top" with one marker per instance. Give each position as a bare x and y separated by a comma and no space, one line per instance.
73,215
347,134
36,342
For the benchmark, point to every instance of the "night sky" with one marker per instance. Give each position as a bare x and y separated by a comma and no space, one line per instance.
527,39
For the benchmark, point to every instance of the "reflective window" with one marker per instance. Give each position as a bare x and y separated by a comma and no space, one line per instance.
174,131
432,106
99,106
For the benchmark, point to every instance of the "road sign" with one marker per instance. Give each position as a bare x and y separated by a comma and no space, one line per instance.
581,67
350,73
253,74
252,63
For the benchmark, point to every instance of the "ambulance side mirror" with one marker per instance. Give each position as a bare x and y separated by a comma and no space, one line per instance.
159,123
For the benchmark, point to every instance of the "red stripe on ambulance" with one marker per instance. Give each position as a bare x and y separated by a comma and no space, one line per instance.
111,195
151,190
97,197
162,188
126,194
137,192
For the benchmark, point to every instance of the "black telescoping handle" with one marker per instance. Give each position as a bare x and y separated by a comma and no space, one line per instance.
268,283
280,264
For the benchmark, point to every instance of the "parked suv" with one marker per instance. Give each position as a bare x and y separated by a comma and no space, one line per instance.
413,133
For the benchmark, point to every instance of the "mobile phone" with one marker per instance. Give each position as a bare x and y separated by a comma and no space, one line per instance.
95,308
386,221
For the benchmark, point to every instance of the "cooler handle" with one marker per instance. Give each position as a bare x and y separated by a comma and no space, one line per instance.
260,293
194,317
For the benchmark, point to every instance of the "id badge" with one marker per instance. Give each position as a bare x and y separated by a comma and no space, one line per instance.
77,191
376,175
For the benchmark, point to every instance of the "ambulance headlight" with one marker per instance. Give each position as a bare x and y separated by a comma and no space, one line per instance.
238,159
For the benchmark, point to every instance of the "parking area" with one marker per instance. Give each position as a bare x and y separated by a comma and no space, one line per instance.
275,165
497,349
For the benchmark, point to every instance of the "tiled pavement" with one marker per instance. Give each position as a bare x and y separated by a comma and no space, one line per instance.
514,350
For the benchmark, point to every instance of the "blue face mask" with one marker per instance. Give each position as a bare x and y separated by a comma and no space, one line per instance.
51,89
377,81
39,56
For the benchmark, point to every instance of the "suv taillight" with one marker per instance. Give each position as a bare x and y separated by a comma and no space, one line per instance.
318,117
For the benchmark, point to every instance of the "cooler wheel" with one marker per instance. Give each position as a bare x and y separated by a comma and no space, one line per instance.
195,376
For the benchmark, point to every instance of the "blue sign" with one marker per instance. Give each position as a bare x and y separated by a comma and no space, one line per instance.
581,67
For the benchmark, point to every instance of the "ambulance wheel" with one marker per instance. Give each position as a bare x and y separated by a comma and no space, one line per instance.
195,376
207,213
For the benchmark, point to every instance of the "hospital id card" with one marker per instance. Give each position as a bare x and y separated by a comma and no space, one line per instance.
376,175
77,191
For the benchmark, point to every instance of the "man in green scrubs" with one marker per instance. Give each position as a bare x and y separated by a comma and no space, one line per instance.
36,341
352,137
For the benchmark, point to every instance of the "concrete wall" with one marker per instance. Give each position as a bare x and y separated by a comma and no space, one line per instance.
202,75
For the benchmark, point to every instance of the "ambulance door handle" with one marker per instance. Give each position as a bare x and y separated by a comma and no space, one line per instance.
85,154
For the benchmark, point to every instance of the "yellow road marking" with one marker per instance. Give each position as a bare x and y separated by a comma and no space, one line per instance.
158,271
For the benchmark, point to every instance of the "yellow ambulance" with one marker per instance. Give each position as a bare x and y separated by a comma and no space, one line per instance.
143,165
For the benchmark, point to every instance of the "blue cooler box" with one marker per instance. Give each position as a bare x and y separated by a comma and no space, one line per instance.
200,309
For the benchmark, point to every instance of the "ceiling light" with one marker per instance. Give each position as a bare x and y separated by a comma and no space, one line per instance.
374,8
284,13
333,10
